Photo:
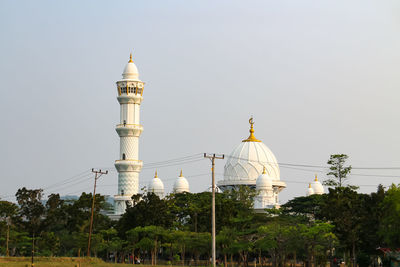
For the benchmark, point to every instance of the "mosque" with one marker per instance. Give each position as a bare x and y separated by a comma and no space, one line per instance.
251,162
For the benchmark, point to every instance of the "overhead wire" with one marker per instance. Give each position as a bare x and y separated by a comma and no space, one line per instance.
83,176
312,166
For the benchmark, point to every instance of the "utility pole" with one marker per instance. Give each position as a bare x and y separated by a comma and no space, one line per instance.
96,177
33,248
8,220
212,157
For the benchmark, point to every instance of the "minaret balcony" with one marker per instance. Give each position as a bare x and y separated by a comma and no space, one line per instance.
130,99
128,165
129,129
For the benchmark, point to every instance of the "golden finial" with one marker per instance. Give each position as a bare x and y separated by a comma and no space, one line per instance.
316,178
130,58
264,170
155,176
251,137
181,175
309,185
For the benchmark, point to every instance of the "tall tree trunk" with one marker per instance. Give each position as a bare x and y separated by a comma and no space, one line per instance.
195,222
183,255
225,260
274,258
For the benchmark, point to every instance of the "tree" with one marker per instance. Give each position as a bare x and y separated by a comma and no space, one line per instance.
133,237
199,243
31,208
8,212
318,238
48,244
338,170
181,240
224,240
344,208
309,207
108,235
151,210
390,222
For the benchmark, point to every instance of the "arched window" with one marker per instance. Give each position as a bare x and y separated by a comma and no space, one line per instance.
122,192
123,156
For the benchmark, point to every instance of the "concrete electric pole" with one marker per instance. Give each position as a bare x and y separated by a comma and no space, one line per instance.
212,157
96,177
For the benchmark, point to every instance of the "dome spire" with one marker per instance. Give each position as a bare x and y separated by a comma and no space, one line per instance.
181,175
251,137
130,58
155,175
316,178
309,185
264,170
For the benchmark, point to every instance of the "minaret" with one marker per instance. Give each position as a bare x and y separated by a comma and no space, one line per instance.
130,92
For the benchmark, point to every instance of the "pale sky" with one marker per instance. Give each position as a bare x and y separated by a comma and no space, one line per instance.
319,77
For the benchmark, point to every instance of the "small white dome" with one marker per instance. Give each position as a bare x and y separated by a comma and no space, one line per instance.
156,185
317,186
310,191
130,71
181,184
264,182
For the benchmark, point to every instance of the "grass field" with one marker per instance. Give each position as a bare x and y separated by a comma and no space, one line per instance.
56,262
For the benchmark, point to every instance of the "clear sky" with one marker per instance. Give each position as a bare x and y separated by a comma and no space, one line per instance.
319,77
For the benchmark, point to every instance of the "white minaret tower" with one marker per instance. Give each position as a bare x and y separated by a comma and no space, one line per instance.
130,92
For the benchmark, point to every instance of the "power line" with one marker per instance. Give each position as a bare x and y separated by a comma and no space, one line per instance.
86,172
312,166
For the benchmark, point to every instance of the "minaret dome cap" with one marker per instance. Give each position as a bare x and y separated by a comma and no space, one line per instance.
130,71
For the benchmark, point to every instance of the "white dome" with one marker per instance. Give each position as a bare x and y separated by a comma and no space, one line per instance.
264,182
130,71
246,163
156,186
310,191
217,190
317,186
181,184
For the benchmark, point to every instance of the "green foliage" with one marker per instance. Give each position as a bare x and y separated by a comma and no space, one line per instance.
31,208
151,210
304,206
177,228
390,223
338,170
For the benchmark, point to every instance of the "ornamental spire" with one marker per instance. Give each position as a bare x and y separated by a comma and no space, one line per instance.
309,185
316,178
264,170
181,175
156,176
251,137
130,58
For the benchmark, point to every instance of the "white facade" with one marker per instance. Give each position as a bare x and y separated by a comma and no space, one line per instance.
129,129
246,163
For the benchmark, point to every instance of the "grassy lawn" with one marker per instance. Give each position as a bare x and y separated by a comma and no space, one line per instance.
55,262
